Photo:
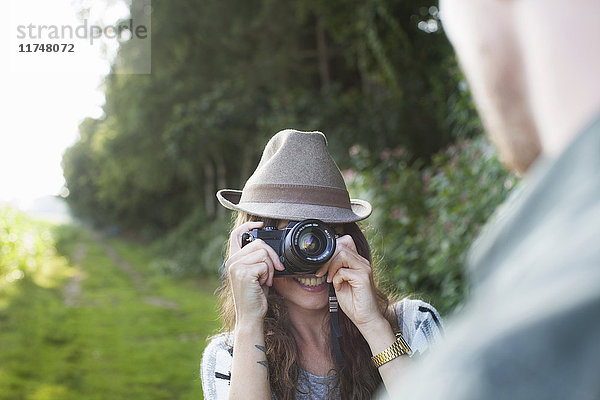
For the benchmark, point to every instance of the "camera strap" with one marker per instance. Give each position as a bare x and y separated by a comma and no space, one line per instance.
334,324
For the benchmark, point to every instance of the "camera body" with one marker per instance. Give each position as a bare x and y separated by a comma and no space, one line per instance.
302,246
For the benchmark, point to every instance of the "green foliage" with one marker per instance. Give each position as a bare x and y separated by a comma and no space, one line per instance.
227,75
195,247
27,252
113,338
426,218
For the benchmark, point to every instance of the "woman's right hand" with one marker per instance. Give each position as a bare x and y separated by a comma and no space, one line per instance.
250,270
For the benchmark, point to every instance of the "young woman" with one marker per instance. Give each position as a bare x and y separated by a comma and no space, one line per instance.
279,338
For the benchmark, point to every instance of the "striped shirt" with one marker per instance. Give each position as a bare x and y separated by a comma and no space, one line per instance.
420,323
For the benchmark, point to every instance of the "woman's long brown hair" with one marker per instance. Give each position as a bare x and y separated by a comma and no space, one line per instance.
359,380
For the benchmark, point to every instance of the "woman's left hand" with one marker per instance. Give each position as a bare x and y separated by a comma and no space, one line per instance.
352,279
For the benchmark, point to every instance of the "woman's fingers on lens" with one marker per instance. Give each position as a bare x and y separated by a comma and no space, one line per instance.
344,275
346,241
348,259
335,264
248,268
240,254
277,264
343,244
254,246
270,273
245,275
337,280
243,264
263,272
256,252
322,271
355,278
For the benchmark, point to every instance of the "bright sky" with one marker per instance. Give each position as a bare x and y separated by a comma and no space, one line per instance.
44,96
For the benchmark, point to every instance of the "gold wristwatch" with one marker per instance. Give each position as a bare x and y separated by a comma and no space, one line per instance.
397,349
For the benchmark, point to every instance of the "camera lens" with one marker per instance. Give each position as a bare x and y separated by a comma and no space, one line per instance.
308,245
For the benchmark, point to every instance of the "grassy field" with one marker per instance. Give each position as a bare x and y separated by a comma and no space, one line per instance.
108,327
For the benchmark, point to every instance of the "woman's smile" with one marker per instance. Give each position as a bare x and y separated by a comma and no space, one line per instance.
306,292
312,283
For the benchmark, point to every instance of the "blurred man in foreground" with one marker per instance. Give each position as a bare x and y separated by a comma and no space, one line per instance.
531,328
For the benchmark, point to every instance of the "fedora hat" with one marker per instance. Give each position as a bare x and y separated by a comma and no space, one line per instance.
296,179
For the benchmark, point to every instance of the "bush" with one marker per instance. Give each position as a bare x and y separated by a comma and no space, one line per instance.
195,247
27,252
425,218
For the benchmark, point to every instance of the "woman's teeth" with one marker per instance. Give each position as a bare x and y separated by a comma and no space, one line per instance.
313,281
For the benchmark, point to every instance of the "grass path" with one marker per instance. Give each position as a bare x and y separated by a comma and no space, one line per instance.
114,330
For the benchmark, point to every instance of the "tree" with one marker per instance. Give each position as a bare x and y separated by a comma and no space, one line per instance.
222,82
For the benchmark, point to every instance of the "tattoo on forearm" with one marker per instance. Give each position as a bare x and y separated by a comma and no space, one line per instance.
263,363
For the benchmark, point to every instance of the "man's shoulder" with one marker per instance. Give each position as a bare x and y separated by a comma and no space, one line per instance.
549,225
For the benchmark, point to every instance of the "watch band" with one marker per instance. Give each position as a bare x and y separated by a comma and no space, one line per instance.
397,349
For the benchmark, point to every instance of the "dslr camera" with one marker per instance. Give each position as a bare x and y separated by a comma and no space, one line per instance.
302,246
